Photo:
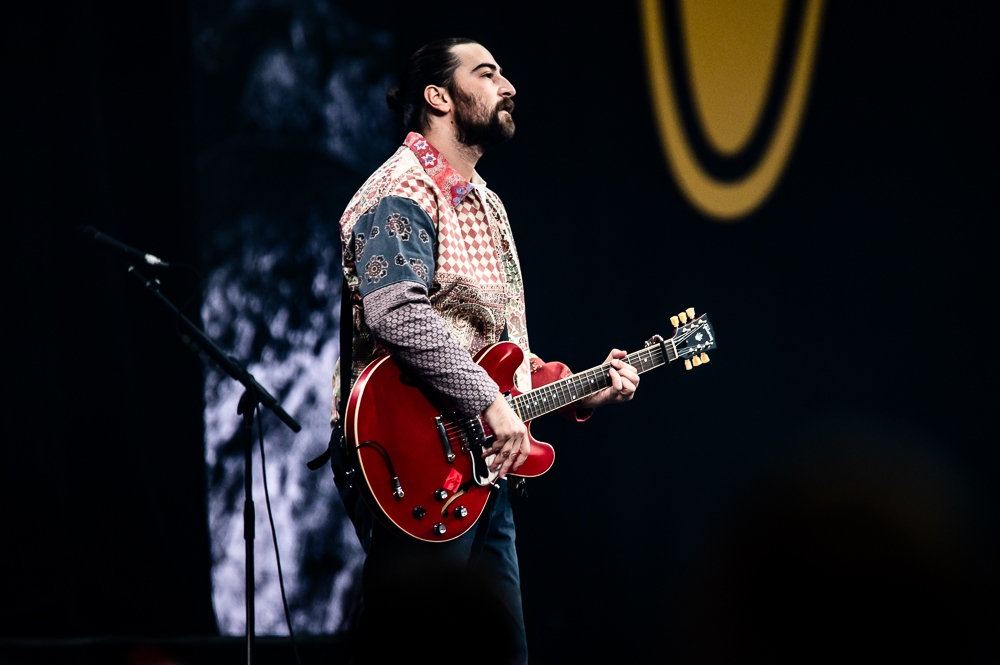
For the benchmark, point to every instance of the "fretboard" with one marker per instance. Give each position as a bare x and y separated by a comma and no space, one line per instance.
557,394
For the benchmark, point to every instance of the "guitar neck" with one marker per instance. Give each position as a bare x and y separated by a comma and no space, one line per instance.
573,388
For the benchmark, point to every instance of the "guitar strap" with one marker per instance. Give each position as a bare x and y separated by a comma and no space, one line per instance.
344,473
346,341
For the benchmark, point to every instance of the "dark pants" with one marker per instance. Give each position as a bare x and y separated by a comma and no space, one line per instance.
443,599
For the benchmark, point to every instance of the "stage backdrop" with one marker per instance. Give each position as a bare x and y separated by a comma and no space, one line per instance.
751,162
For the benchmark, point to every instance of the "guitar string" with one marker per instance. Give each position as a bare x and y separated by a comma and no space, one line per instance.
563,385
565,392
563,389
575,387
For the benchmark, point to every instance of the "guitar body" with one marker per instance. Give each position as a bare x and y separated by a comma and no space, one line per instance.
393,429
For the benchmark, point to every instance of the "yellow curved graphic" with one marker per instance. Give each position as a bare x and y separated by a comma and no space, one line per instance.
731,47
728,54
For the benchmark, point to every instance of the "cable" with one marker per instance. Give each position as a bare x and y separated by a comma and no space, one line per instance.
274,536
397,488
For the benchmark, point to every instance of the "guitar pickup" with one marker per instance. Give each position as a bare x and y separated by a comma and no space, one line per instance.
449,454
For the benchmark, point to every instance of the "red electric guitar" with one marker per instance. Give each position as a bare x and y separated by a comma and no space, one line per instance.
422,468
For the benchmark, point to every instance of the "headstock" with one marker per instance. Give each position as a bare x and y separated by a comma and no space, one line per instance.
693,336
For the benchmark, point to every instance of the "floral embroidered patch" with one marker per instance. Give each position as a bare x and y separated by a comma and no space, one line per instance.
359,244
376,269
427,155
424,236
374,233
400,260
458,193
397,225
420,268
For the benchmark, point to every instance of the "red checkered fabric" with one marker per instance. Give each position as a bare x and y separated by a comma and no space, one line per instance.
419,188
466,247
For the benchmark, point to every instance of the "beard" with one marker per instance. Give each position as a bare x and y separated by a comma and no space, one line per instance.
479,126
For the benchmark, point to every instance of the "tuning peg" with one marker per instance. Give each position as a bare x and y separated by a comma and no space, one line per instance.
695,360
690,312
683,317
687,364
704,358
674,321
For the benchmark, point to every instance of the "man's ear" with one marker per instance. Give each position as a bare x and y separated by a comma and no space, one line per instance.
437,99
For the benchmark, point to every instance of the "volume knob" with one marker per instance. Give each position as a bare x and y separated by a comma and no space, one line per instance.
439,529
461,511
441,494
419,512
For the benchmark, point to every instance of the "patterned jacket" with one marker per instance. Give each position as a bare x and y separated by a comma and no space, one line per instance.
417,220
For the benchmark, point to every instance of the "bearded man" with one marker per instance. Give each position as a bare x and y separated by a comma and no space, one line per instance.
434,277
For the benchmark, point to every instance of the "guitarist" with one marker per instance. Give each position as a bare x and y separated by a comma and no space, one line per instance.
434,277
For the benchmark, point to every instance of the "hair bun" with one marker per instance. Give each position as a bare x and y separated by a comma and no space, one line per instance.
393,100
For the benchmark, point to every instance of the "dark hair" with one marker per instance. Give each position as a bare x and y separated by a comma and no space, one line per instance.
432,64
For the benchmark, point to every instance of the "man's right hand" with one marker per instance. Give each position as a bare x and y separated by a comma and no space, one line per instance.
511,436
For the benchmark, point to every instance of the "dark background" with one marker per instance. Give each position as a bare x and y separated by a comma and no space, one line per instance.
826,483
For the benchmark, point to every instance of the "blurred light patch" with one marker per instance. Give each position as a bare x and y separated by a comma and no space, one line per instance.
292,118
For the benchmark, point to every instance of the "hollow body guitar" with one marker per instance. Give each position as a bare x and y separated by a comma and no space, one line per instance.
422,470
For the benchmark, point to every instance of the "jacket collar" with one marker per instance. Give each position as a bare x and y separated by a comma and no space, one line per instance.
448,180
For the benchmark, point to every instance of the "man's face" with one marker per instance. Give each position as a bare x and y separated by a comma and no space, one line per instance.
482,96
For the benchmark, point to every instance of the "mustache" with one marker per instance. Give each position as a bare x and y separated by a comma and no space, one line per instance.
505,104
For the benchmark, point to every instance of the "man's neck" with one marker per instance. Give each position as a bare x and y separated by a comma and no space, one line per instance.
462,158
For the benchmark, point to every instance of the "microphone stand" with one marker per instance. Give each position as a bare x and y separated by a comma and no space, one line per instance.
254,395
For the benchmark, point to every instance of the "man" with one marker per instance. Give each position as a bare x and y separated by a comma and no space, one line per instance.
434,277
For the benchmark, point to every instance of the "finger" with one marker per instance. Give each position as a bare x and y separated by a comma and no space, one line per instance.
509,452
522,454
502,456
618,353
515,452
505,464
518,453
499,441
629,372
624,367
628,388
616,380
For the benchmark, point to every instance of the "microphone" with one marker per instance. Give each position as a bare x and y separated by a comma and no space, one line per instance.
94,234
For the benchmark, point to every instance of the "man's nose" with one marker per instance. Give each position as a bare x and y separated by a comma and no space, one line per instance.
507,88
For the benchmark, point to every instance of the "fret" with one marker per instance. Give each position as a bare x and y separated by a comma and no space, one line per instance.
574,390
555,398
575,387
557,394
566,393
